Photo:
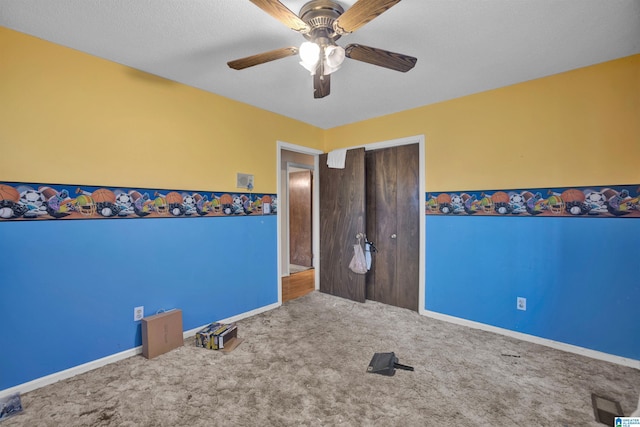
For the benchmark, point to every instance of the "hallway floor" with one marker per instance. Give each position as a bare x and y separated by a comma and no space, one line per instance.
297,285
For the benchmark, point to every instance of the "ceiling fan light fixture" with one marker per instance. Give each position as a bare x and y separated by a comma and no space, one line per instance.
310,55
322,22
333,58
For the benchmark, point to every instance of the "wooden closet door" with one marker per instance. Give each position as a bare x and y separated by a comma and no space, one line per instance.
393,212
408,216
342,217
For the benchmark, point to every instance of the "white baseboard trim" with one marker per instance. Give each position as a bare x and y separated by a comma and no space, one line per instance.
71,372
632,363
94,364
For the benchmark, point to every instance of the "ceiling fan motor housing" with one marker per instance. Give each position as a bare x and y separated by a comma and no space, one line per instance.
320,15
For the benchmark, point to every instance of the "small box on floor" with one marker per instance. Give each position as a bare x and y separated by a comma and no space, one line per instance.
161,333
218,336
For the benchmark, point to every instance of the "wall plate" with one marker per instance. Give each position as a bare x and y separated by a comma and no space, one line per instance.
244,180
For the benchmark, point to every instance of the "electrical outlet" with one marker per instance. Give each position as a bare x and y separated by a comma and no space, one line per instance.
138,313
521,303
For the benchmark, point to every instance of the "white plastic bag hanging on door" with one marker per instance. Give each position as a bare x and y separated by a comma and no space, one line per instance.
358,263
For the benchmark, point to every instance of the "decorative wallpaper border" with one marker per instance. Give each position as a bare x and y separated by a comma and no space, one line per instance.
28,201
606,201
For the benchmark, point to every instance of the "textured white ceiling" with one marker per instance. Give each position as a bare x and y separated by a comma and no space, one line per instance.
462,46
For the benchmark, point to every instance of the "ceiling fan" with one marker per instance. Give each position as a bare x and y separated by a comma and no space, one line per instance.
322,22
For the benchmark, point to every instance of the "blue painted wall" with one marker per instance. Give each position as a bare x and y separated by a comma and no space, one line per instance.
69,287
581,277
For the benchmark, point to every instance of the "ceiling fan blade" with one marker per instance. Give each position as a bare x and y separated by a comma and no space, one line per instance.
321,85
383,58
261,58
360,13
283,14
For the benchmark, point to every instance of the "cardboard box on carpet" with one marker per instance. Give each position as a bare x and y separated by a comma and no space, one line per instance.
161,333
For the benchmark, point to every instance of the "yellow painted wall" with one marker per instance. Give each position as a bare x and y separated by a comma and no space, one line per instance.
577,128
70,118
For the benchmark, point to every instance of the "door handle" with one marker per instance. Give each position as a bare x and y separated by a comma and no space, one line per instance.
394,235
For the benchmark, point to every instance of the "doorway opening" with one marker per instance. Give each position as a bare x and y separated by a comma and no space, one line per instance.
297,220
299,213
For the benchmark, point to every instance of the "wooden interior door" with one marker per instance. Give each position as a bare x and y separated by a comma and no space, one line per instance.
393,215
300,247
342,217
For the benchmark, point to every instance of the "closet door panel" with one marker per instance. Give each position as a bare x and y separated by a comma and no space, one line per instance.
386,226
408,236
342,218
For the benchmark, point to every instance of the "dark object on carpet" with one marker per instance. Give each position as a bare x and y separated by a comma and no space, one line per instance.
386,364
10,405
605,409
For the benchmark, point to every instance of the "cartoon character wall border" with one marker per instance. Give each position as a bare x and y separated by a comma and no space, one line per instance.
23,201
607,201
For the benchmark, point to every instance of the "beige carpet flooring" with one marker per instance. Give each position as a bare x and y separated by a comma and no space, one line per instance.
304,364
